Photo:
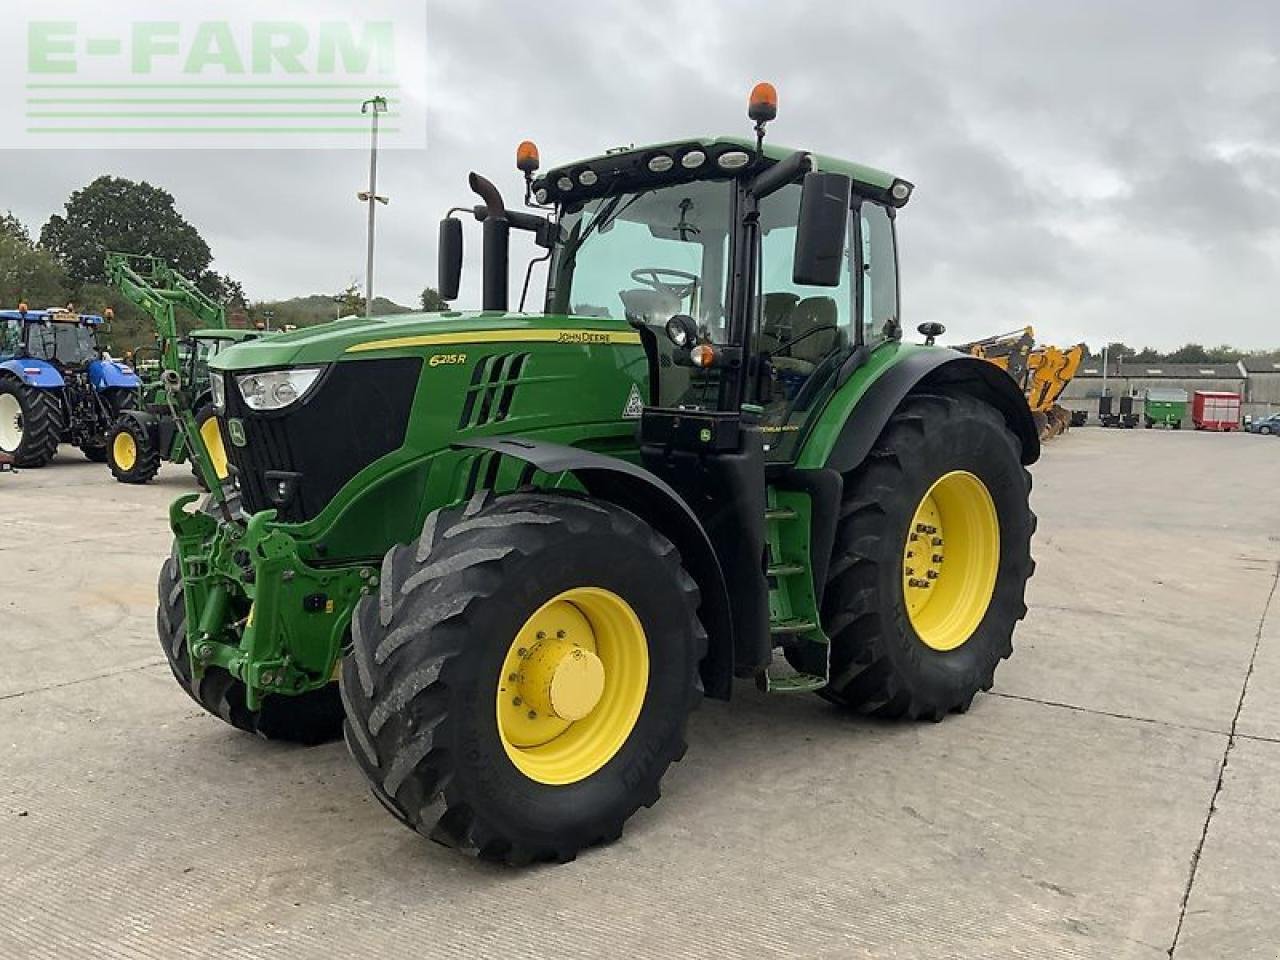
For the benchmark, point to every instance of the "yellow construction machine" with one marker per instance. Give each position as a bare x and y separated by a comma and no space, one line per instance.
1042,372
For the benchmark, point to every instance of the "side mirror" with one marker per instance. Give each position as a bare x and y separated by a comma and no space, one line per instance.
450,258
820,235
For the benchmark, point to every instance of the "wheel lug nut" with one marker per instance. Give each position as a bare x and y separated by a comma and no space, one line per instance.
517,702
937,541
937,558
559,634
931,574
533,714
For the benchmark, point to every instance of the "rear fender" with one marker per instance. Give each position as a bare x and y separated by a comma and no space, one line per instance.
922,371
34,373
648,497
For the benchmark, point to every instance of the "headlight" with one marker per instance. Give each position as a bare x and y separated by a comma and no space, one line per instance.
276,389
218,390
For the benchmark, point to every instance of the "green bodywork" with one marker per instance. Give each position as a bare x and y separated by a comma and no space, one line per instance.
1165,407
574,394
271,602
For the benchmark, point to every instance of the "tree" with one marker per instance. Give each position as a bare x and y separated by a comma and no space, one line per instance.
223,288
113,213
1119,351
431,301
1188,353
27,275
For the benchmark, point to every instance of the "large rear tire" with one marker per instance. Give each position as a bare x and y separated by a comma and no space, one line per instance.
931,561
310,718
523,681
30,423
131,453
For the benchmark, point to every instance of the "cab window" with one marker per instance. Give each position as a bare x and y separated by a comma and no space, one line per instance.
10,338
879,273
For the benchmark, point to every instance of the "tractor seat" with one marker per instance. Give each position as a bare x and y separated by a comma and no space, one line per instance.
811,348
774,329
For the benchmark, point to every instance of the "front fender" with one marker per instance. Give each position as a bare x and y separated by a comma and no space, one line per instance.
149,423
648,497
34,373
106,374
867,406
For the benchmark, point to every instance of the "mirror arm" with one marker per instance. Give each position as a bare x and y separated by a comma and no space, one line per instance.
780,174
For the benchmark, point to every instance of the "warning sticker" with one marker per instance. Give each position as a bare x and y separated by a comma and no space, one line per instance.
635,404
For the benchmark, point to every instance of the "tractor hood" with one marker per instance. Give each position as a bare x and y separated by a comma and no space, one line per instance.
356,338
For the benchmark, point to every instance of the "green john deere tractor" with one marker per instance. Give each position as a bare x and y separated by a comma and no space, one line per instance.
145,436
507,553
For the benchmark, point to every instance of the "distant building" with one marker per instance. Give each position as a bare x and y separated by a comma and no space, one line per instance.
1257,381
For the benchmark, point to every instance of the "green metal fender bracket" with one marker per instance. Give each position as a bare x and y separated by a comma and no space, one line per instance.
255,609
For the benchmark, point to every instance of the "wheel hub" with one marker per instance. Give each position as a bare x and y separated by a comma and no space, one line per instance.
950,560
124,450
562,679
572,685
11,424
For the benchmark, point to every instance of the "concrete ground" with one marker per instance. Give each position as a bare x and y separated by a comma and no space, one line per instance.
1114,797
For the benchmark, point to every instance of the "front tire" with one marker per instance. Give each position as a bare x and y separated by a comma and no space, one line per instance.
912,636
310,718
451,689
131,454
30,423
211,434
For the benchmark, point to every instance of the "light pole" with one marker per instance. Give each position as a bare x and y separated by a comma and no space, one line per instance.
374,107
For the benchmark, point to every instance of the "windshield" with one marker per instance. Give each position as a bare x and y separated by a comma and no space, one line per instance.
68,343
646,256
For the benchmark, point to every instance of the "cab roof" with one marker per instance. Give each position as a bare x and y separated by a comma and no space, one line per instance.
52,313
632,162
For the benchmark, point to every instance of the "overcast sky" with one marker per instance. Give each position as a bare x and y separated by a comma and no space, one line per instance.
1102,170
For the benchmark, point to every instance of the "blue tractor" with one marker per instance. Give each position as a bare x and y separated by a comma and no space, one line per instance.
57,385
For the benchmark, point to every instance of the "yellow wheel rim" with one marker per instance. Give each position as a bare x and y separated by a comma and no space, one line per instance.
212,438
950,560
572,685
124,450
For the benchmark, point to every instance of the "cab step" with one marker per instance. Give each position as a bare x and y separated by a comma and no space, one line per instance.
793,683
779,513
783,569
792,626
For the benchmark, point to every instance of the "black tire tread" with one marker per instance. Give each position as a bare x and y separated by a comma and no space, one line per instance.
863,676
428,588
42,424
148,463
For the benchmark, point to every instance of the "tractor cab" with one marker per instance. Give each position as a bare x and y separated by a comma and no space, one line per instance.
60,337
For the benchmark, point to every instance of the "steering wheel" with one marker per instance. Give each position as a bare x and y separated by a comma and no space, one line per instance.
653,277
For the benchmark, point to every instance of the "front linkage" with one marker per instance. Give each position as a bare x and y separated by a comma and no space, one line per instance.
257,610
270,620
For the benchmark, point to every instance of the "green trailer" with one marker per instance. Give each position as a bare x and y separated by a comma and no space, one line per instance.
1166,407
507,553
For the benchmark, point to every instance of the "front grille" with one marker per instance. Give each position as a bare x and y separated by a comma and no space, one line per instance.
358,412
